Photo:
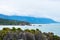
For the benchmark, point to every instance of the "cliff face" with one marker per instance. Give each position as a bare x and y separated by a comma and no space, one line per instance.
19,34
29,36
24,36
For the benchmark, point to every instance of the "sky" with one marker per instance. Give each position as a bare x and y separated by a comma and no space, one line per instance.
34,8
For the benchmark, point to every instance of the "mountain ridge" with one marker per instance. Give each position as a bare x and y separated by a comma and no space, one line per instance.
29,19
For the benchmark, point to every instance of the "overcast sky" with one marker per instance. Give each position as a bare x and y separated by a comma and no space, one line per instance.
35,8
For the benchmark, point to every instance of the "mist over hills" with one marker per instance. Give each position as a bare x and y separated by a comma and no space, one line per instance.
29,19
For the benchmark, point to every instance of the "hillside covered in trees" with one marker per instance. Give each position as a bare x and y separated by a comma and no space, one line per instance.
12,22
32,20
19,34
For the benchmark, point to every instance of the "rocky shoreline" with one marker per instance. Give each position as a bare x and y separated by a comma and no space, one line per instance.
19,34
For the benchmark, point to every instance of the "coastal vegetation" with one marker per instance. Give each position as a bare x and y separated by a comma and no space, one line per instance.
27,34
12,22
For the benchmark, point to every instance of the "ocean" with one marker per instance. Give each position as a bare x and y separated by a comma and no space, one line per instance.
55,28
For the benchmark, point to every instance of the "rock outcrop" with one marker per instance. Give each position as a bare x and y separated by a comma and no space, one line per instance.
24,36
19,34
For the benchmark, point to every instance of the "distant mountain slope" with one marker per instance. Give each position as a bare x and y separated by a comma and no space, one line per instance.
28,19
12,22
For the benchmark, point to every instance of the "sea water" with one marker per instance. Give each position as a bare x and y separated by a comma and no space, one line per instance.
55,28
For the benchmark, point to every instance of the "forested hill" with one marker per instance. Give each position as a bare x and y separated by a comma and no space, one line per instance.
12,22
32,20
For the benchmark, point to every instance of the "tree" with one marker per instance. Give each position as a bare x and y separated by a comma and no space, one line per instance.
56,37
7,29
13,29
19,29
27,30
32,31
